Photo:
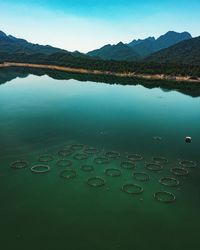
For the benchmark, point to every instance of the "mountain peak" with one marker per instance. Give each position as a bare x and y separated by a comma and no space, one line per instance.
2,34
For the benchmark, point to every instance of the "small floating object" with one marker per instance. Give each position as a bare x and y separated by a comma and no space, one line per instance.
188,139
157,138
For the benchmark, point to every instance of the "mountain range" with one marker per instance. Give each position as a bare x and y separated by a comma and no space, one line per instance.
139,49
185,52
10,44
172,47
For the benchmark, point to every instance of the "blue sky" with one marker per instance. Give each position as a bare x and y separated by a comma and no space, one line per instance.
89,24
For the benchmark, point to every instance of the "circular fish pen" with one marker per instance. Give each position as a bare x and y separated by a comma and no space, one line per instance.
40,169
45,158
128,165
87,168
154,167
132,189
77,147
160,160
68,174
19,164
65,152
102,160
187,164
179,171
135,157
80,156
112,154
96,182
64,163
164,197
91,151
169,181
113,172
141,176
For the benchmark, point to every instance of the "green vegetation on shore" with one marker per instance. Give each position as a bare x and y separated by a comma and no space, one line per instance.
67,60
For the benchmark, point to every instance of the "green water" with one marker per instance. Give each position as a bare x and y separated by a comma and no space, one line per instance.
44,211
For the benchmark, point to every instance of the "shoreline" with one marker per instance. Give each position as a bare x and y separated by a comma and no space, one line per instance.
98,72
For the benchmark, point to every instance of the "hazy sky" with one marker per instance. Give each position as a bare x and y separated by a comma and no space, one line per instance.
88,24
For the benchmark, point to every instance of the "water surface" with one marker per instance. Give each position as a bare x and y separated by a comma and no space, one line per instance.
42,115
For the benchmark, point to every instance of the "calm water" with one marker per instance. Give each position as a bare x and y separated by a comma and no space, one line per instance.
40,115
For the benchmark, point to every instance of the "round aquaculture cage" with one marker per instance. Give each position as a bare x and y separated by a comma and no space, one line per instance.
164,196
96,181
77,147
128,164
80,156
112,154
113,172
68,174
102,160
87,168
169,181
64,163
40,169
45,158
132,189
187,164
65,152
141,176
160,160
179,171
155,167
91,151
19,164
135,157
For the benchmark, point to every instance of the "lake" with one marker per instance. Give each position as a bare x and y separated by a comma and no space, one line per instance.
96,196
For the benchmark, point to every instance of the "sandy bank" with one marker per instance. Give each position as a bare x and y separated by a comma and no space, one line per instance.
97,72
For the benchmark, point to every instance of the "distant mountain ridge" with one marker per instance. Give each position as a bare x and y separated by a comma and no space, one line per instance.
185,52
11,44
139,48
117,52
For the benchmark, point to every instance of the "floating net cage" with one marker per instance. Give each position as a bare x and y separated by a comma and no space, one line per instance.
187,164
113,172
132,189
45,158
141,176
65,152
96,181
179,171
128,164
135,157
112,154
169,181
68,174
91,150
19,164
155,167
160,160
80,156
102,160
40,169
87,168
64,163
164,196
77,147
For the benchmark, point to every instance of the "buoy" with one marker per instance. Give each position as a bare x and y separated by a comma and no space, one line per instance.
188,139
